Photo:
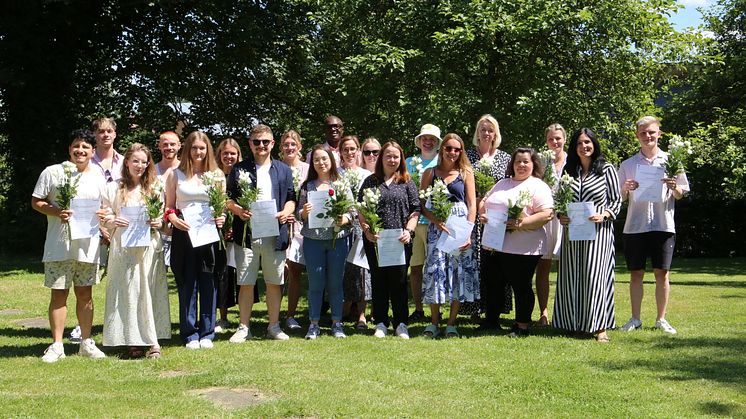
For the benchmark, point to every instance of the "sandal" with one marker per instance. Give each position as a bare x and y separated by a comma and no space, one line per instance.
452,332
602,338
361,325
431,331
153,353
135,352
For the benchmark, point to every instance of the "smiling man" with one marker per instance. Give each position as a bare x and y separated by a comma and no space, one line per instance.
69,263
106,158
334,130
169,145
275,182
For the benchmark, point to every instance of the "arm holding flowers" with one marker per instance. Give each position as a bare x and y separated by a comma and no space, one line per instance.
425,193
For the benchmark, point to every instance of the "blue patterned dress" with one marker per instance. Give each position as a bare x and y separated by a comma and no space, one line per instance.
447,277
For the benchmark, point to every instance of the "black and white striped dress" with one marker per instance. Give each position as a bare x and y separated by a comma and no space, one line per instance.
584,300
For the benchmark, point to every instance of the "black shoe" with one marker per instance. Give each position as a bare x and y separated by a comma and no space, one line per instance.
416,316
517,332
487,326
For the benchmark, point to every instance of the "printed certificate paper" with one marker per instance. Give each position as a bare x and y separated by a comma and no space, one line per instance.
581,228
460,229
390,249
83,221
493,236
137,233
317,199
264,219
651,188
202,229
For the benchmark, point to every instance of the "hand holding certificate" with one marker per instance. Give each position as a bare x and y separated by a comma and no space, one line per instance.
137,232
390,249
84,220
580,227
493,236
317,199
202,229
264,219
650,186
460,229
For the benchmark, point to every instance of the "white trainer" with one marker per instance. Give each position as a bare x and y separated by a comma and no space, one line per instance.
402,331
663,325
276,333
221,326
192,344
75,334
88,349
242,334
381,331
205,344
54,353
632,324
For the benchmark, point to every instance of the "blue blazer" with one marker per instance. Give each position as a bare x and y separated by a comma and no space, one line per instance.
282,191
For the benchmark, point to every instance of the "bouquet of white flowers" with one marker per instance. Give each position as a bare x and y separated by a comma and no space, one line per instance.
515,209
154,200
546,157
678,155
249,194
439,198
215,185
369,208
416,175
353,180
67,190
296,179
482,177
338,204
563,195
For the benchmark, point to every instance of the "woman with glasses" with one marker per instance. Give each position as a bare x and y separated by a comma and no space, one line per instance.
370,149
449,278
356,281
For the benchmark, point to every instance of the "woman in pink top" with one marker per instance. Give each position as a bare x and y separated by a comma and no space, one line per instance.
525,239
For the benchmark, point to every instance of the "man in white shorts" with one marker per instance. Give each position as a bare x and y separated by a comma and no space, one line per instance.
275,182
70,263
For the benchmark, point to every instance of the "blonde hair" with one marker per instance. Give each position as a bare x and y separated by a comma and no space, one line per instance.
462,164
555,127
98,123
498,138
296,137
186,154
228,142
146,180
647,120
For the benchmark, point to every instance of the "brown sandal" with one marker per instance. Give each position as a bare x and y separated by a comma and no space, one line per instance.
135,352
153,353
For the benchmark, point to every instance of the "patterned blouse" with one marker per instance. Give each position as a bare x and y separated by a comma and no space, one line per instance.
398,201
497,171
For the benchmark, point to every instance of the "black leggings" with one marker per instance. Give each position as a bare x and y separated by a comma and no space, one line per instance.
518,272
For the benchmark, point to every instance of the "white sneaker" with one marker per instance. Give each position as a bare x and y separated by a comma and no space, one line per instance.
663,325
75,334
338,330
276,333
53,353
88,349
313,331
192,344
205,344
632,324
402,331
221,326
381,331
292,324
242,334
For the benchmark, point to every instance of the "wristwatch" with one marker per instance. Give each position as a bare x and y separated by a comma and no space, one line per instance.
411,233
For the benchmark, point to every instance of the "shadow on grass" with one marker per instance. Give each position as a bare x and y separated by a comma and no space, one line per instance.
714,359
724,284
15,265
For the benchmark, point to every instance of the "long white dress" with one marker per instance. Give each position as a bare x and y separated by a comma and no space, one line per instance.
137,310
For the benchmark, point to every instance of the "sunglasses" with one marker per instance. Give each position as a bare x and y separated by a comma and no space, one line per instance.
369,152
108,176
451,149
333,126
257,143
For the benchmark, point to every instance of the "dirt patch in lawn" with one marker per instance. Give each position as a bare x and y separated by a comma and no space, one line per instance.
233,398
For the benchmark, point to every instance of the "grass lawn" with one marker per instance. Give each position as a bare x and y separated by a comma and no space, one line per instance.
699,372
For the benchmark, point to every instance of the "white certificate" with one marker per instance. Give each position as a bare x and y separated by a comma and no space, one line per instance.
493,236
390,249
581,228
460,229
651,188
202,229
137,233
317,199
357,254
264,219
83,221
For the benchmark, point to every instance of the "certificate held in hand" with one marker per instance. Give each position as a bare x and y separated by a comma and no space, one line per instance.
84,221
202,229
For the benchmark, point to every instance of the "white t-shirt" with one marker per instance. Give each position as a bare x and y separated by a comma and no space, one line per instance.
264,181
57,247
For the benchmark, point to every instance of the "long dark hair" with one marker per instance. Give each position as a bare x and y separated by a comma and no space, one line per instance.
572,167
313,174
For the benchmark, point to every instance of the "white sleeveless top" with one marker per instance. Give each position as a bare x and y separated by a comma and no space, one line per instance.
189,192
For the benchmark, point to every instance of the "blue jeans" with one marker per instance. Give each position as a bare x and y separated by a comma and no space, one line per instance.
325,267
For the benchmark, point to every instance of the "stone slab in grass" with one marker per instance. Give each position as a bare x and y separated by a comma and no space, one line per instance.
10,312
34,323
232,398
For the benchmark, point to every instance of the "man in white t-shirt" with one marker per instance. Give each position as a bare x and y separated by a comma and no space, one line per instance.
67,262
649,230
275,182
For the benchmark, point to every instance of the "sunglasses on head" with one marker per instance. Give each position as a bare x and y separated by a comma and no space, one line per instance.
451,149
369,152
257,143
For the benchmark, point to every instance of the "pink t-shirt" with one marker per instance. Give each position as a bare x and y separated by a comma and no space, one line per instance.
532,242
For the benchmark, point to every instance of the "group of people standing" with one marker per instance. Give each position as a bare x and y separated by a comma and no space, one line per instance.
356,257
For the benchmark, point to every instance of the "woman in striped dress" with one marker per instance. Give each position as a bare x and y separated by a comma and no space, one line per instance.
584,300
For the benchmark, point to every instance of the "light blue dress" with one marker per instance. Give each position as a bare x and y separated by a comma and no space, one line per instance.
450,277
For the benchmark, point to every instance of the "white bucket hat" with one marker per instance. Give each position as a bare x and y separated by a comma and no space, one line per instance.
428,129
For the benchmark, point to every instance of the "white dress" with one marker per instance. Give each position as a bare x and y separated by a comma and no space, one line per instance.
137,310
